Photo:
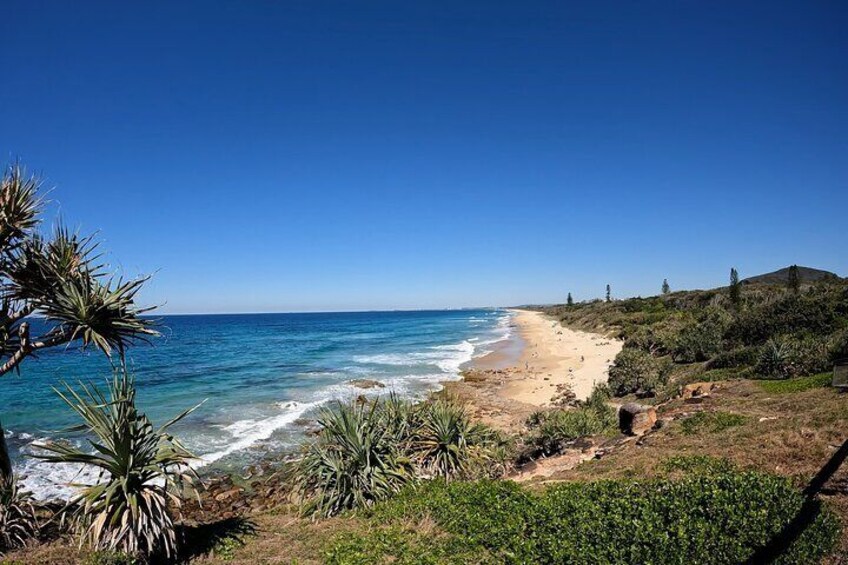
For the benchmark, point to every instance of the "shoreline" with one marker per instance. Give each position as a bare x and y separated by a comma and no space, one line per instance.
543,364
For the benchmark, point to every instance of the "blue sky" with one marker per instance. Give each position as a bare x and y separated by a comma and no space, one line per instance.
277,156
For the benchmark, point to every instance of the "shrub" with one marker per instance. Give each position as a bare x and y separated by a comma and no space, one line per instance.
740,357
446,443
788,357
17,515
366,452
819,313
702,340
838,346
554,429
142,471
718,517
635,371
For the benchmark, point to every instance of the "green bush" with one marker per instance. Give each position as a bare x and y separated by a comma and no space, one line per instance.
787,357
635,371
702,340
739,357
717,517
552,430
143,471
818,313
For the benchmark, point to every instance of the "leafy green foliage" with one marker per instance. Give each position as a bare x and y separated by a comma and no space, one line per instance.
552,430
717,517
799,384
635,371
141,470
712,422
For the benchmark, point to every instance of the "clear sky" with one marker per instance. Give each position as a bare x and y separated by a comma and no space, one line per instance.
277,156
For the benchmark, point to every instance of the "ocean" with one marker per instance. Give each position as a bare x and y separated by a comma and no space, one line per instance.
262,377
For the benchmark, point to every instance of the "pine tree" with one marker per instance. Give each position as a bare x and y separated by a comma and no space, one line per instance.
570,301
794,280
609,294
735,288
665,287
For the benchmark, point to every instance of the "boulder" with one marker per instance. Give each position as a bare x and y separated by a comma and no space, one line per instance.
636,419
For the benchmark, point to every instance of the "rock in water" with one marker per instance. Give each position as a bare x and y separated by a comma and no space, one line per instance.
636,419
366,383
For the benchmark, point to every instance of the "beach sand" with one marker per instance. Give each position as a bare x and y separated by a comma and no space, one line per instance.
548,364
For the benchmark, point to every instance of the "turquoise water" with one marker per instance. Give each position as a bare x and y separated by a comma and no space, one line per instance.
262,376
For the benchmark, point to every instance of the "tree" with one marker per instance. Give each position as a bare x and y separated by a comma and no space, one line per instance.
569,301
735,288
609,295
665,287
59,277
793,280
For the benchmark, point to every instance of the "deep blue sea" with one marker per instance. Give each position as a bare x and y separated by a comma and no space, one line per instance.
262,376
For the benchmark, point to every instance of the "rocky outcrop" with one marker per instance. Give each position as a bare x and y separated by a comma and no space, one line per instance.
636,419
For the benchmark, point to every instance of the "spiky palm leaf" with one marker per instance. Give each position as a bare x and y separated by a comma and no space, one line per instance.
100,313
141,469
20,205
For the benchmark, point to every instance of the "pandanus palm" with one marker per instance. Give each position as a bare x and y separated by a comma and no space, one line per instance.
142,469
62,279
17,516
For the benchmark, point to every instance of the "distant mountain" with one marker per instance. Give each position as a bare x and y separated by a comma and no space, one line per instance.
805,274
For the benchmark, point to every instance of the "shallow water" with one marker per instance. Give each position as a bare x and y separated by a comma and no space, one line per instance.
262,376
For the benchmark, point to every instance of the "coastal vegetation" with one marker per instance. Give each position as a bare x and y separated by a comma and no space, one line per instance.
756,330
721,516
366,451
143,471
389,480
62,278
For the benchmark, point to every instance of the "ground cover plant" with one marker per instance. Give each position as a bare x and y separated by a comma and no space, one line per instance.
719,517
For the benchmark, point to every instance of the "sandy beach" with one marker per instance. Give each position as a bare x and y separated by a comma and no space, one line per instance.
547,365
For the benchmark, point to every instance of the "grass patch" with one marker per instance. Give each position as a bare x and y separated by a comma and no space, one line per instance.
799,384
720,517
711,422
